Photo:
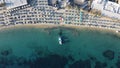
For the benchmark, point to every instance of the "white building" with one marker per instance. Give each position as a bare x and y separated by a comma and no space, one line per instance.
107,8
14,3
79,1
1,1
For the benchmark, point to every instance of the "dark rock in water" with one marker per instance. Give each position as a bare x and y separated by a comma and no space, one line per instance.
118,64
93,58
65,39
38,52
100,65
111,67
70,58
21,61
5,61
6,52
81,64
2,66
52,61
11,61
109,54
105,64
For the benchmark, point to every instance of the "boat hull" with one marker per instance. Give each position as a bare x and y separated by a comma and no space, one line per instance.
60,40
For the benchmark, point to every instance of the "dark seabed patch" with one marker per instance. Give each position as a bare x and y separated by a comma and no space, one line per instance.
98,64
109,54
81,64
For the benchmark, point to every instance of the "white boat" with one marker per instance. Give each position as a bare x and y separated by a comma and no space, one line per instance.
117,31
60,40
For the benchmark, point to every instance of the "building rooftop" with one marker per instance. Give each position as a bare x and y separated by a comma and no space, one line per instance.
107,8
14,3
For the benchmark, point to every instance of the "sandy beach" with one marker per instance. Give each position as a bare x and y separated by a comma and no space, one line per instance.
81,27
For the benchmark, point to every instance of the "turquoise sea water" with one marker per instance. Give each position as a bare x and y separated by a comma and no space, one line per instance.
39,48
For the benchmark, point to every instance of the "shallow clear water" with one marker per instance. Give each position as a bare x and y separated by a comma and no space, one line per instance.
39,48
